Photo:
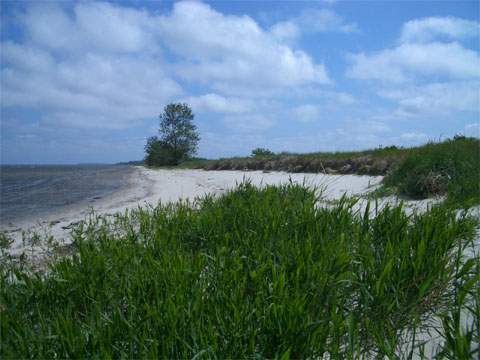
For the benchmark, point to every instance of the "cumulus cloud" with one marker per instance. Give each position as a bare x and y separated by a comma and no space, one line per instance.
219,104
220,49
121,90
431,28
425,50
408,61
306,113
95,65
429,71
101,27
312,21
250,123
436,97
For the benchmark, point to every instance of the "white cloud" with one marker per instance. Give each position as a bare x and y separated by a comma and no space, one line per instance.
219,104
312,21
249,123
93,65
344,98
422,74
473,130
97,66
285,30
321,20
430,28
437,97
219,49
408,61
375,127
116,91
306,113
99,26
414,137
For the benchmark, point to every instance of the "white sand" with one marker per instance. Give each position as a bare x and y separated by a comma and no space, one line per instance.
147,186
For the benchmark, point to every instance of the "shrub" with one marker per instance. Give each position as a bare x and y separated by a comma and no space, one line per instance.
158,153
261,152
451,167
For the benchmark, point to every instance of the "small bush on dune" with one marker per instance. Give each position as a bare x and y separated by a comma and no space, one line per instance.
451,167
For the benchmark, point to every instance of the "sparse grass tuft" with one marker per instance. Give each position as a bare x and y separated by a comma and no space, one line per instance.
258,273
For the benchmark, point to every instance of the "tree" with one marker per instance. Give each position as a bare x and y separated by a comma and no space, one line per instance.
157,153
178,137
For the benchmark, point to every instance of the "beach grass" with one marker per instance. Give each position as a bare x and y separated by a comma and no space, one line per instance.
255,273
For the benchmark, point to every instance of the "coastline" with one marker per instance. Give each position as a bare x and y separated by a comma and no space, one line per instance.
149,186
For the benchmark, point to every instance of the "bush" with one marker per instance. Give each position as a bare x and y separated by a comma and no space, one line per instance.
451,167
261,152
159,153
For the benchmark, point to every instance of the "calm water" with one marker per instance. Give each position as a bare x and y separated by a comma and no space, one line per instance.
30,191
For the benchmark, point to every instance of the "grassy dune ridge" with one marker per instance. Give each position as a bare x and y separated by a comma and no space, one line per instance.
260,273
368,162
438,168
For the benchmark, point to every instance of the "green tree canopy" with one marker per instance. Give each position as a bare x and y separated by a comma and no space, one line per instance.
262,152
178,138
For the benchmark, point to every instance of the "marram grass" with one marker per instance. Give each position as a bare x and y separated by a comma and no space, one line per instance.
256,273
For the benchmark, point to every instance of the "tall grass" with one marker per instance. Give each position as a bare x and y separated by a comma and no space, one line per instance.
257,273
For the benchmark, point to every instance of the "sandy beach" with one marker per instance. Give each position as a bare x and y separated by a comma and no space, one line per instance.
151,186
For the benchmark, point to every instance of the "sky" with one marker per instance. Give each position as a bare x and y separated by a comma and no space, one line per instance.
84,82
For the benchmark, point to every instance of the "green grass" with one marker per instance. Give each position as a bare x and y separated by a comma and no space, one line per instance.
256,273
449,168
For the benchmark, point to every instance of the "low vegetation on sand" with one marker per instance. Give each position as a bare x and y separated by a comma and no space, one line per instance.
368,162
450,167
255,273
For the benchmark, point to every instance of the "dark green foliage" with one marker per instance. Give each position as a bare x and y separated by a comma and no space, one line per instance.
158,153
261,152
451,167
178,137
253,274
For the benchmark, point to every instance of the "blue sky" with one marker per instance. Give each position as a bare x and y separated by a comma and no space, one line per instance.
85,81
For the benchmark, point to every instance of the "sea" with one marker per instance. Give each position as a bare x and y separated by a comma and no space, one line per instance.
32,191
